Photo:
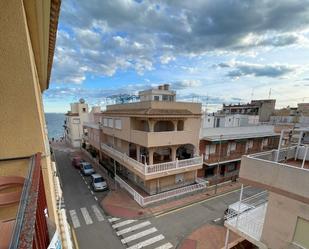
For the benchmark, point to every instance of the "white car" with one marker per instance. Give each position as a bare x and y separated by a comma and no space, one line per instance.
98,183
86,169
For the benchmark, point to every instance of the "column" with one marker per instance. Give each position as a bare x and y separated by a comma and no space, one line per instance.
175,124
151,124
138,153
150,155
174,150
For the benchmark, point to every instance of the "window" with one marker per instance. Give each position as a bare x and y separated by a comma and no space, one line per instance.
233,146
118,124
301,233
208,120
156,98
105,122
165,97
110,123
84,109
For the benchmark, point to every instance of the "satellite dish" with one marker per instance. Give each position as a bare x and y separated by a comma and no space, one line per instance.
82,101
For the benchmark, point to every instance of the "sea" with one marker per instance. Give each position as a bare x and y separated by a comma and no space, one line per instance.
55,122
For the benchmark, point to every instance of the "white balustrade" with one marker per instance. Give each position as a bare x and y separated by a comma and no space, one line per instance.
143,201
154,168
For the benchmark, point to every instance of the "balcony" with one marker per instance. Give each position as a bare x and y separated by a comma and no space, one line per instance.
155,170
246,217
23,204
154,139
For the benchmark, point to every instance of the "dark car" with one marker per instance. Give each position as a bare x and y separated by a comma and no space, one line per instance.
77,161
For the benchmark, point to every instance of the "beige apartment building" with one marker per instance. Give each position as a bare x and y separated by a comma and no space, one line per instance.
278,217
29,186
153,143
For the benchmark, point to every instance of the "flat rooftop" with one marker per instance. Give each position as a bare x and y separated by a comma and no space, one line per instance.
243,132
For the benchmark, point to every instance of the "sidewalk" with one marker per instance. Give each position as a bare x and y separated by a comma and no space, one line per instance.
119,203
209,237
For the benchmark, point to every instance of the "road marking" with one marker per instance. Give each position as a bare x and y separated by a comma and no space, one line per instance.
74,218
97,213
92,192
218,219
139,235
133,228
113,219
123,223
147,242
88,187
86,215
160,214
96,198
165,246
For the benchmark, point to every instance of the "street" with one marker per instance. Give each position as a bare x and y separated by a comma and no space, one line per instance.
94,230
85,215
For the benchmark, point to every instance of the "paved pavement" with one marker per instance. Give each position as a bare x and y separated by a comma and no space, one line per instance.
85,215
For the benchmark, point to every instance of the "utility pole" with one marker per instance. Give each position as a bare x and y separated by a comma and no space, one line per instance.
218,165
269,94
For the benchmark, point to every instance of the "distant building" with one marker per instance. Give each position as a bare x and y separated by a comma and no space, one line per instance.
215,120
263,108
278,217
153,144
73,124
222,149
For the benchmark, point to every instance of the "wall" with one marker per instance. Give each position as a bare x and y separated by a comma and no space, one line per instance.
280,220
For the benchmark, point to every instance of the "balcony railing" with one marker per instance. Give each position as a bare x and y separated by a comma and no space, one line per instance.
248,215
144,201
154,168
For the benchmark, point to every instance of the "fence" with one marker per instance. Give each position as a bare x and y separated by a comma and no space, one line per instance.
143,201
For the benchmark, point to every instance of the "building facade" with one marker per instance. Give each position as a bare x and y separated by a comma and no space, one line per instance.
222,149
278,217
73,124
153,144
263,108
29,187
215,120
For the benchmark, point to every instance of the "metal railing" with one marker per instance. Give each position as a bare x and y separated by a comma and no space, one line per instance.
154,168
249,214
143,201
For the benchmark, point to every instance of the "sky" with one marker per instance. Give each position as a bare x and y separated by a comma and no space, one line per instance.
213,52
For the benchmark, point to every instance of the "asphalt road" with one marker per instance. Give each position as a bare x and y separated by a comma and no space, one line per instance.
92,228
178,224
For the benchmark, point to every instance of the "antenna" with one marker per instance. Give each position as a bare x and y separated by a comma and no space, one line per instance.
252,93
269,94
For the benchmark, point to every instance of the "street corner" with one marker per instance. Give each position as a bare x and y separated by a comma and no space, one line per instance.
119,204
207,237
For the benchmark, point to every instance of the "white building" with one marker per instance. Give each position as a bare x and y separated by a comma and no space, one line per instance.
215,120
73,124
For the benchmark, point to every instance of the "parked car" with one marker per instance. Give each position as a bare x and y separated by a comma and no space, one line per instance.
86,169
98,183
76,162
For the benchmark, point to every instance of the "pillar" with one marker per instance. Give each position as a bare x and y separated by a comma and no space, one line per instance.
175,124
174,151
151,124
138,153
150,156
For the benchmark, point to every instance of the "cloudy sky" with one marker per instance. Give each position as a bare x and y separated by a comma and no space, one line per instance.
210,51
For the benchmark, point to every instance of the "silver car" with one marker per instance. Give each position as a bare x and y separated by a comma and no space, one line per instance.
98,183
86,169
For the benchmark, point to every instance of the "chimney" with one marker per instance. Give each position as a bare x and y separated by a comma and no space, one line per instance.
160,87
